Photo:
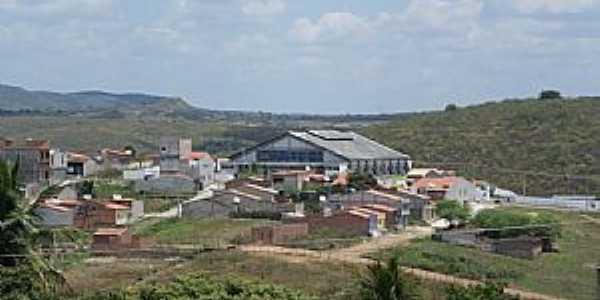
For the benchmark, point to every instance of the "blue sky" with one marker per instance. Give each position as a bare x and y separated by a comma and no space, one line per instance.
315,56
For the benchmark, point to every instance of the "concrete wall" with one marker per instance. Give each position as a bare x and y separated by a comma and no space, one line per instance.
203,170
463,191
342,223
526,248
575,204
166,184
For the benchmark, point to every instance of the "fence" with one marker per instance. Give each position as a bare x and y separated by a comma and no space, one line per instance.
584,203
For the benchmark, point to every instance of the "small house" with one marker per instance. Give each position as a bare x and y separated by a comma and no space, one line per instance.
448,188
345,222
111,238
94,214
81,165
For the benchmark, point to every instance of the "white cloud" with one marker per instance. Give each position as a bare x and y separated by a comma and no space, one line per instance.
458,16
329,26
433,17
56,7
553,6
263,7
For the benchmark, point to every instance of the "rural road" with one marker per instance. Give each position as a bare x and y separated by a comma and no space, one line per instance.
355,255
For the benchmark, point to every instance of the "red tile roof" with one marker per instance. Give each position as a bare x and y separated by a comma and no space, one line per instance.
380,207
115,206
342,179
76,157
110,231
359,214
199,156
66,202
443,183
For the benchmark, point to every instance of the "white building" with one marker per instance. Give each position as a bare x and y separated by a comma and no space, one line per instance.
327,151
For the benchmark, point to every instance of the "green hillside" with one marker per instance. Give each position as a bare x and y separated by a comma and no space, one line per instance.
498,140
91,134
14,98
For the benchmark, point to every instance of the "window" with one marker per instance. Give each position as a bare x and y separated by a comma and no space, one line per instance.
290,156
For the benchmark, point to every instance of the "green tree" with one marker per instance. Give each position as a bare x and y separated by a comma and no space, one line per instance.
451,107
513,224
550,94
361,182
452,210
388,282
479,292
24,272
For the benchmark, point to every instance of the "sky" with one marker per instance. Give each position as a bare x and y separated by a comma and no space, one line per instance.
311,56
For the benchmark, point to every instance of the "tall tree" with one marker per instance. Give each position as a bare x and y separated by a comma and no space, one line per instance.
25,273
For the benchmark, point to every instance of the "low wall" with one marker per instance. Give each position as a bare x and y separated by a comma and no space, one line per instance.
278,234
524,247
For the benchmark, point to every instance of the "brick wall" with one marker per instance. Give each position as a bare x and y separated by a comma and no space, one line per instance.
280,233
342,222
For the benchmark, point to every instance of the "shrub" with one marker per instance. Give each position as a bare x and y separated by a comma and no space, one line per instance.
503,223
550,94
199,286
451,107
452,210
488,291
361,182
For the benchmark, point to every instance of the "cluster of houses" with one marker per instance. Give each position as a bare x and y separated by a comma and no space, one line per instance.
280,176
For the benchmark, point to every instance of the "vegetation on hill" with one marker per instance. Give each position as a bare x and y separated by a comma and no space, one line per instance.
535,145
539,146
19,99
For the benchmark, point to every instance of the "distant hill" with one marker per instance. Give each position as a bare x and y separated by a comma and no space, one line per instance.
17,99
496,141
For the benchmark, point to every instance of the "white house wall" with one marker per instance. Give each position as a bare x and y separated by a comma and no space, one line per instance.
464,191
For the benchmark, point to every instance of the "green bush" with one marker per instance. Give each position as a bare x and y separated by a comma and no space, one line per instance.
506,224
361,182
452,210
442,258
489,291
199,286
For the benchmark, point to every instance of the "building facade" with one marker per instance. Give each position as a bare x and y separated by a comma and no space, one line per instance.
328,151
33,158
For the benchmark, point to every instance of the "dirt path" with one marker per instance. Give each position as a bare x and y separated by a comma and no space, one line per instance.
593,220
355,255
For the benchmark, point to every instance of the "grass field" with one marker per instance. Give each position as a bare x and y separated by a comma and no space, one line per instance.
326,280
191,231
569,274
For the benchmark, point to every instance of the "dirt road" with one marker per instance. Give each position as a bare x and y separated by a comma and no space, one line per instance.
356,255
